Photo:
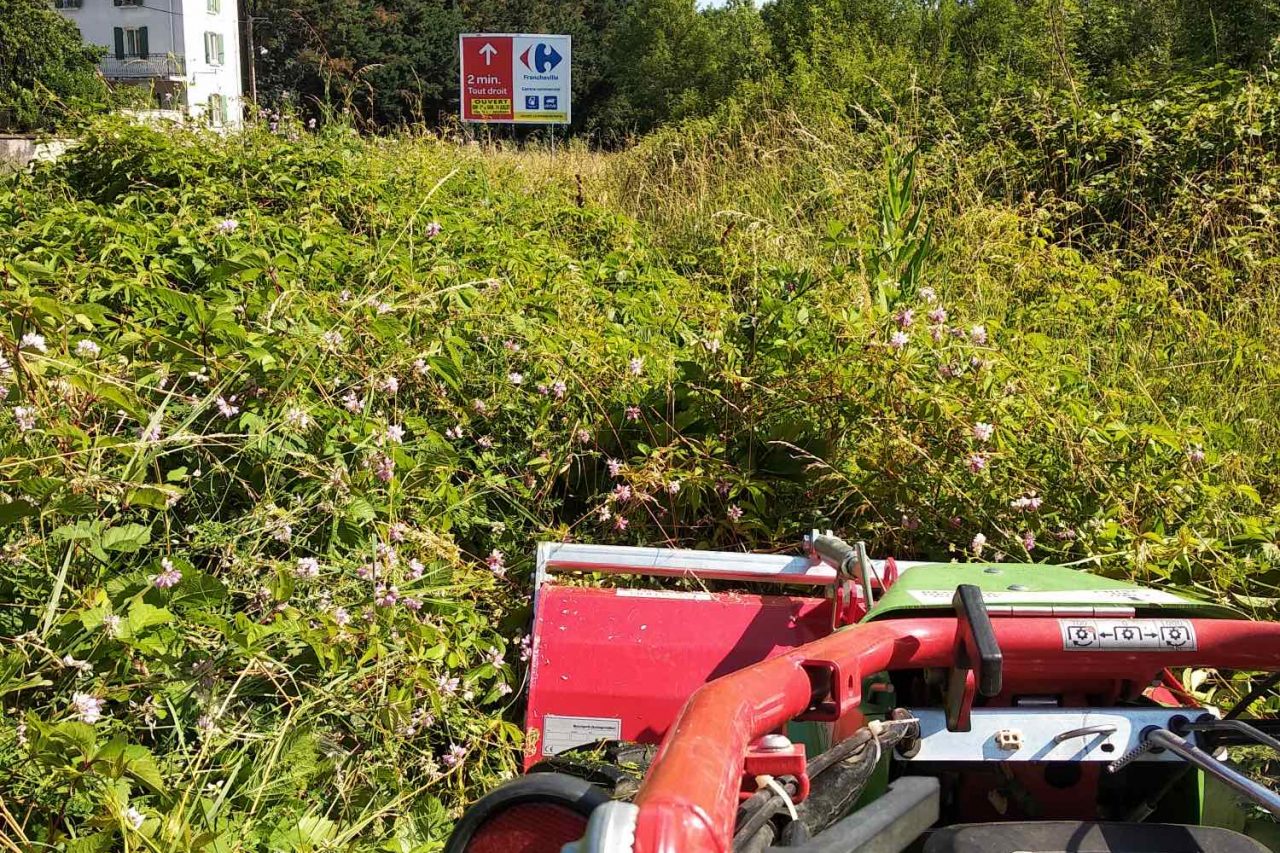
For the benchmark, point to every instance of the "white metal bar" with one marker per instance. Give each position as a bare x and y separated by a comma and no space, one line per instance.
674,562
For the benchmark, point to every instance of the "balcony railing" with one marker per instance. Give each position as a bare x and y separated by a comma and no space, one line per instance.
134,68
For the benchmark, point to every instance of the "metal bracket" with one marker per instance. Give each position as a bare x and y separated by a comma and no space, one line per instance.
762,760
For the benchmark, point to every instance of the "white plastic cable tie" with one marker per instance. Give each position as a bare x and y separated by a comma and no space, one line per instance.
765,781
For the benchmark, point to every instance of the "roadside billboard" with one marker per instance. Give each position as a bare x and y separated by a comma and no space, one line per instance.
515,78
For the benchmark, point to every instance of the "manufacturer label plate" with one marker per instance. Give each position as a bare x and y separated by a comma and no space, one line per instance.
1127,635
564,733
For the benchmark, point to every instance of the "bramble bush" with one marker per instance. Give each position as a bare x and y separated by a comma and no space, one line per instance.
284,415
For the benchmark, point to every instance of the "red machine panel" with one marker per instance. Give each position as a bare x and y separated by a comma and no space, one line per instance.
620,663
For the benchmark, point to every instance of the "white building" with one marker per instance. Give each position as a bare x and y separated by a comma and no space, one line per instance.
188,51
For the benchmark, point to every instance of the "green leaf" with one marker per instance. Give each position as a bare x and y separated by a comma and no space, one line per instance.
143,615
125,538
15,511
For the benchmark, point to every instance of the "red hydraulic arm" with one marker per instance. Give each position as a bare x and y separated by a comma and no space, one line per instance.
690,797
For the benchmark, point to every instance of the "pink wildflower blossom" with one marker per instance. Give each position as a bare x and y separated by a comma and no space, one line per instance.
454,756
386,596
938,316
25,417
633,413
734,513
978,335
621,492
433,229
88,349
636,366
308,567
898,340
395,433
558,389
905,317
390,385
35,341
976,545
982,431
169,575
620,523
384,468
1195,453
86,708
497,563
976,462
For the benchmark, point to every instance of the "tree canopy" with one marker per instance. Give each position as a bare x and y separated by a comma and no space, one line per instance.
46,69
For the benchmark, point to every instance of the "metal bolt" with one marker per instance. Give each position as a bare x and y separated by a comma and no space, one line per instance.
774,742
991,570
1019,587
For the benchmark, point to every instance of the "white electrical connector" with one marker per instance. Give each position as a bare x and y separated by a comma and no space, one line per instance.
766,781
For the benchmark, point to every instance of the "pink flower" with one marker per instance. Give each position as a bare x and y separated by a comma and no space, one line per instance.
938,316
928,294
1027,503
1028,541
526,647
25,417
413,604
495,657
621,492
297,418
453,756
35,341
898,340
341,617
454,432
1195,453
511,346
583,436
227,226
636,366
395,433
226,409
978,335
397,531
515,378
390,385
86,708
479,406
308,567
982,431
905,317
384,468
633,413
734,512
485,442
386,596
621,523
673,487
150,433
614,466
416,569
88,349
332,339
447,685
497,563
168,577
976,545
558,389
976,462
433,229
910,522
351,402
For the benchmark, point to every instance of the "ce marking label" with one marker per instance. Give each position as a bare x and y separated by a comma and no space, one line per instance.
1127,635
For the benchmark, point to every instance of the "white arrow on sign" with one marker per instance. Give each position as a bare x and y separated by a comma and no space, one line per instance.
488,52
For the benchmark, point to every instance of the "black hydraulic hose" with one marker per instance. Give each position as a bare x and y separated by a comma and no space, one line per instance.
1252,696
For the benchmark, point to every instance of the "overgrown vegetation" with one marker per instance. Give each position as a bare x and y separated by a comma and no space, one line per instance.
47,73
284,413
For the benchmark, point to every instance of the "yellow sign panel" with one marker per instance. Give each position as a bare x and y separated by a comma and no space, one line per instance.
491,106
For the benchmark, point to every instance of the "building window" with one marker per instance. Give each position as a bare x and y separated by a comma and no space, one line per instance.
131,42
214,53
217,110
66,4
214,6
128,2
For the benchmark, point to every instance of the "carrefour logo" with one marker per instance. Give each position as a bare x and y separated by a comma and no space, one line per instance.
545,58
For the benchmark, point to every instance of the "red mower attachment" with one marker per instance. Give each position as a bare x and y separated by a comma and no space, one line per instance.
904,705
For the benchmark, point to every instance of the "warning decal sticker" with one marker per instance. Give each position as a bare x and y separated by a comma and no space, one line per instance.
1128,635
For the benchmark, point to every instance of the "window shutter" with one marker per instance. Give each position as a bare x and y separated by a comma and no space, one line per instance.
221,51
119,3
142,42
208,49
119,42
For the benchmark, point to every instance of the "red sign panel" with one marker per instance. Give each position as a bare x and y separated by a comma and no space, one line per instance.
488,90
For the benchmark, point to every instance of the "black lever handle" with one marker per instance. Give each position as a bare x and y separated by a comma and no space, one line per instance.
977,652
